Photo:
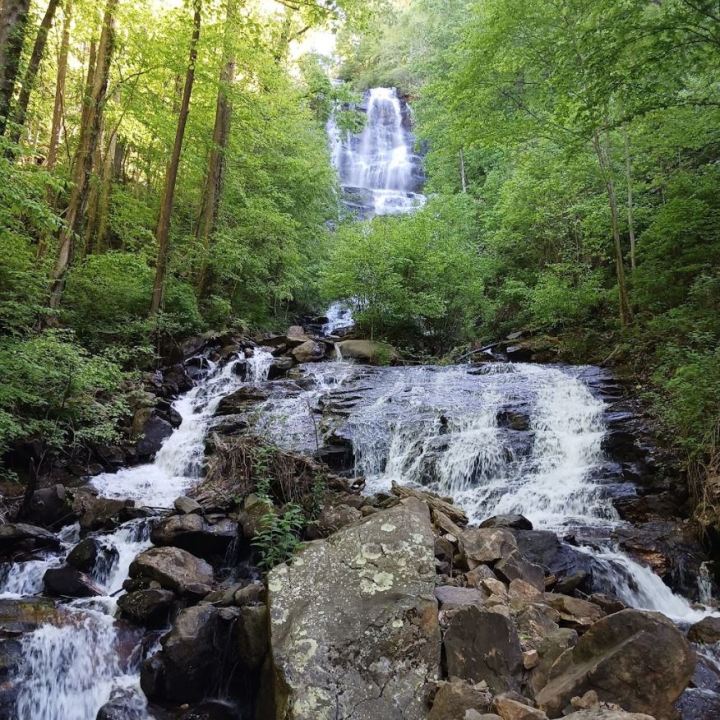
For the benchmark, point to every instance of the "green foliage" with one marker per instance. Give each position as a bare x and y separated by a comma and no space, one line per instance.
55,392
411,279
279,536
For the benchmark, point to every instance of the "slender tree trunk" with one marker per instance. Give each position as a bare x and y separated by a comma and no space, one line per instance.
166,205
93,201
13,26
84,156
59,105
28,82
105,191
216,160
601,150
630,208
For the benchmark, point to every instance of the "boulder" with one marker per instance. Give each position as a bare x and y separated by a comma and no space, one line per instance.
238,401
706,631
21,537
184,670
453,699
515,567
187,505
451,597
636,659
601,713
49,507
550,646
251,636
309,351
123,705
368,351
510,709
574,613
194,533
483,645
280,367
535,622
175,569
147,607
334,517
99,513
92,555
21,615
486,545
543,548
296,335
255,513
67,581
368,644
518,522
151,431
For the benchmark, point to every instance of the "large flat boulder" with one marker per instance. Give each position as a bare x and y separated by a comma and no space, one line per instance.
368,351
636,659
204,537
175,569
353,621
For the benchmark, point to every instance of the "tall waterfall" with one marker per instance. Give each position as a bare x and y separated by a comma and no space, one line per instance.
378,169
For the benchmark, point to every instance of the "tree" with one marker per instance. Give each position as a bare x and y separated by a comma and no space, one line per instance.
90,129
28,81
166,204
59,99
13,26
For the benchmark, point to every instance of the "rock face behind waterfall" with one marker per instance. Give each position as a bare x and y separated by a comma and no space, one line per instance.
353,622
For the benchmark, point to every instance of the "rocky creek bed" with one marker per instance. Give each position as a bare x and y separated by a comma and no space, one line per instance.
493,540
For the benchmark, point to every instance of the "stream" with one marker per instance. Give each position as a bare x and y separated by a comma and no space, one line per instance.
500,438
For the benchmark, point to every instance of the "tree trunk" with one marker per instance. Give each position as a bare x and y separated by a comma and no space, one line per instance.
59,105
626,314
13,26
216,160
166,205
105,191
630,209
28,82
93,201
83,162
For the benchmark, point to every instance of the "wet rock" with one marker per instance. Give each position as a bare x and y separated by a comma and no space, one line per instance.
239,401
280,367
483,645
91,553
211,710
370,637
49,507
706,631
187,505
99,513
453,699
67,581
697,704
175,569
201,537
607,603
486,545
252,594
255,514
184,669
515,421
151,431
22,537
612,658
21,615
251,636
543,548
517,522
368,351
147,607
574,613
175,381
123,705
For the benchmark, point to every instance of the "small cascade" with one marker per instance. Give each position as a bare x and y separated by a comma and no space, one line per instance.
379,172
705,593
259,365
179,461
339,317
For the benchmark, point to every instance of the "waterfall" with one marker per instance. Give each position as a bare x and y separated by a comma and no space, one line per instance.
339,317
378,169
70,669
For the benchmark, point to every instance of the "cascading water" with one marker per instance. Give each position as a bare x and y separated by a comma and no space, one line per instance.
339,317
378,169
73,666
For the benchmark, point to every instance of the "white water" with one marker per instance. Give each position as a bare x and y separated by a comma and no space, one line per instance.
339,317
379,164
70,670
179,462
